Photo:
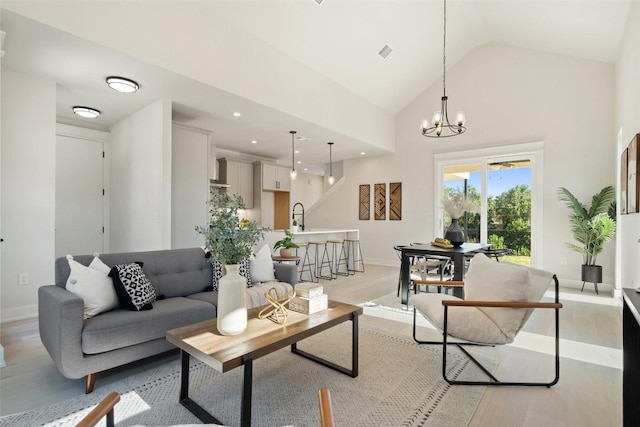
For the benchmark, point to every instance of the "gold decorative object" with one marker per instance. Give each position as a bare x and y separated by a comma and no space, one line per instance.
276,310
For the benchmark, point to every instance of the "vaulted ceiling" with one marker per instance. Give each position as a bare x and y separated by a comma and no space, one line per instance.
339,40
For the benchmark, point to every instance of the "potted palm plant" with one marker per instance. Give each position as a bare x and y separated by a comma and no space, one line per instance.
592,227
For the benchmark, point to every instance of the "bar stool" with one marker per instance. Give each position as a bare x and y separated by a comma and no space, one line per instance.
355,256
305,265
338,259
321,261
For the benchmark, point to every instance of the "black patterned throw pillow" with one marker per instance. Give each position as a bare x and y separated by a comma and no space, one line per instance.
217,272
132,286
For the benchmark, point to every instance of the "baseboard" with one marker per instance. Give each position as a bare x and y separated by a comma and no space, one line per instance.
19,313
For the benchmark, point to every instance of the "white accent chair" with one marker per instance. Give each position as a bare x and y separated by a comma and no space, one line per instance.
499,299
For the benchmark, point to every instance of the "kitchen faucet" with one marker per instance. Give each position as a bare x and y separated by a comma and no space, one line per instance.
293,215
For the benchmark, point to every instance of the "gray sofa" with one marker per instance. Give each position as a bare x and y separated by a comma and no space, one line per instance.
82,347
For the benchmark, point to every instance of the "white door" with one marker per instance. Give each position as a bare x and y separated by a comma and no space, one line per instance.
79,196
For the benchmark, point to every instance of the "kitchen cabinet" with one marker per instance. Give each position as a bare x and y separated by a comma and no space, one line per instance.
275,178
239,176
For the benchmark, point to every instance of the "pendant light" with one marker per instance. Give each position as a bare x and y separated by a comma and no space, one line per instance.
440,126
331,178
293,172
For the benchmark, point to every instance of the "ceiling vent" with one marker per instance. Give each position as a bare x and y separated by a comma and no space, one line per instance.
385,51
318,2
302,138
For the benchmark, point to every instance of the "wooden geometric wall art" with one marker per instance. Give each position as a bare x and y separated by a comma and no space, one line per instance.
364,201
395,201
380,201
623,181
633,182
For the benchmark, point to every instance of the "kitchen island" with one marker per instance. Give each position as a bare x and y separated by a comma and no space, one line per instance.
309,235
314,234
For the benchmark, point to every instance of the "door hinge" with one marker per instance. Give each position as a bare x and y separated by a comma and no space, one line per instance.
103,154
102,230
103,191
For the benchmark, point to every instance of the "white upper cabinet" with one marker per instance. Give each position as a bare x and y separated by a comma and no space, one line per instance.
239,177
275,178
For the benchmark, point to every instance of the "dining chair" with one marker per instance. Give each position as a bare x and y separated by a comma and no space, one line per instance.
499,299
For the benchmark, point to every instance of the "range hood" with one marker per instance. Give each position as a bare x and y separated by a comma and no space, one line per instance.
217,183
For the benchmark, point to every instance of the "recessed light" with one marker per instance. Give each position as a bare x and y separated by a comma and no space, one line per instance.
362,153
254,142
236,114
299,162
86,112
297,151
306,169
122,85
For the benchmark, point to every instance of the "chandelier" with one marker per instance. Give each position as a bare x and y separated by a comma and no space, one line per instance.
440,125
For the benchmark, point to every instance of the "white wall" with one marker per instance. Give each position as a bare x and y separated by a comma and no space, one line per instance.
28,190
306,189
627,90
141,180
510,95
235,61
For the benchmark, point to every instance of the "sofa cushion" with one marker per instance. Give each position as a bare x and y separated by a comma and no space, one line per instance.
261,266
172,272
217,272
92,285
122,328
255,294
132,286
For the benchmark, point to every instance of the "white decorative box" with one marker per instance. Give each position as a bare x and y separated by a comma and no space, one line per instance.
309,305
308,289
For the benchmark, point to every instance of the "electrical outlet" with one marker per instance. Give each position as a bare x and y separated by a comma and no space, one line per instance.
23,279
563,260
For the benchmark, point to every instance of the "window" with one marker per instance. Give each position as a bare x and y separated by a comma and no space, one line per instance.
506,183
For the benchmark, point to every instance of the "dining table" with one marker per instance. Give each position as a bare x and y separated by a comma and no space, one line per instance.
457,255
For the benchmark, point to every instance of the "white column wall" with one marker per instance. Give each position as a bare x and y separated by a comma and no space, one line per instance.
28,190
141,180
627,90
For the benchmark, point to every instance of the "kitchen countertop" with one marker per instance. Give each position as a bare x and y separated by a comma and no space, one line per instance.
325,231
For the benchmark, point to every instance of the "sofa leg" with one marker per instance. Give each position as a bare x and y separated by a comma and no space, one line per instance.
91,382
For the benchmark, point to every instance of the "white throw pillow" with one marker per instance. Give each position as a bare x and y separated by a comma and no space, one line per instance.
261,266
489,280
92,285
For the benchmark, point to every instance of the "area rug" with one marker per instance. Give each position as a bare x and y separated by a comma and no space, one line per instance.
399,384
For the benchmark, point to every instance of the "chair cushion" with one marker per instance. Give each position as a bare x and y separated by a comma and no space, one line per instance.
466,323
489,280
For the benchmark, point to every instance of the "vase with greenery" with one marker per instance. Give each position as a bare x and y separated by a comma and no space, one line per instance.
230,240
591,227
294,226
456,206
285,244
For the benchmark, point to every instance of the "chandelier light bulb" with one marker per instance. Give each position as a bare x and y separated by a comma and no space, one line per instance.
437,118
460,118
424,125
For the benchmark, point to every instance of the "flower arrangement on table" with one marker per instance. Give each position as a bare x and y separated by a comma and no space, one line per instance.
228,238
458,204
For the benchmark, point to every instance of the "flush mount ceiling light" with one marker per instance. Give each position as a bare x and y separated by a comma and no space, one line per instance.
86,112
293,172
331,178
122,85
441,126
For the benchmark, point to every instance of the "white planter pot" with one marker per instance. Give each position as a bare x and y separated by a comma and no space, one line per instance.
232,307
294,228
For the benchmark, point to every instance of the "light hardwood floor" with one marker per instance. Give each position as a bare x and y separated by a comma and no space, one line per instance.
589,392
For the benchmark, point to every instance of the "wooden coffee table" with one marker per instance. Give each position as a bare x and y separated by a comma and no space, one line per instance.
223,353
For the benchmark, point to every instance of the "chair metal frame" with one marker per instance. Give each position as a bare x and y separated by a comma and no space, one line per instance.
556,306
